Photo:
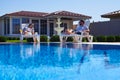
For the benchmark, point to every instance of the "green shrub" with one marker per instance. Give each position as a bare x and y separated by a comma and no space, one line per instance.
9,38
43,38
3,39
17,38
13,38
55,38
110,38
101,38
94,39
69,39
29,40
84,39
117,38
24,39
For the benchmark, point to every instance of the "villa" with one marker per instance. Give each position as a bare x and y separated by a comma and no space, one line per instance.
44,23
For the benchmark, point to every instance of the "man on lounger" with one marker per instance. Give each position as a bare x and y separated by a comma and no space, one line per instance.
81,28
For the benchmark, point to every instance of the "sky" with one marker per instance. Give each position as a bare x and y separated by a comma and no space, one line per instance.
93,8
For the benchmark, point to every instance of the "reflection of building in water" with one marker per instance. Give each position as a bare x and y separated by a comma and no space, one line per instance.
36,47
64,55
85,51
106,58
27,51
59,52
111,58
83,46
69,49
70,53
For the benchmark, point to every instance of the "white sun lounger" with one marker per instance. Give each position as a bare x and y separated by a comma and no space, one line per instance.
76,37
28,36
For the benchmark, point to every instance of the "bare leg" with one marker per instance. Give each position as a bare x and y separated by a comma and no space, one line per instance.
34,40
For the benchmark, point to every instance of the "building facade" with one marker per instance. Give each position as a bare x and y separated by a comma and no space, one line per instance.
107,28
44,23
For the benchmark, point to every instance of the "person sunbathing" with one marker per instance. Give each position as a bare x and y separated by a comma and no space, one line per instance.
30,31
69,31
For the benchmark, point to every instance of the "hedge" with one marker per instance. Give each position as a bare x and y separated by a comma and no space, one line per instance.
43,38
117,38
30,40
69,39
110,38
55,38
3,39
101,39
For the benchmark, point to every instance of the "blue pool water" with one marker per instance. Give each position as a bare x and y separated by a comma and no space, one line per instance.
54,61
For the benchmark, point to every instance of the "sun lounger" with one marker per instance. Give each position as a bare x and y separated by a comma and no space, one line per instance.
28,36
77,37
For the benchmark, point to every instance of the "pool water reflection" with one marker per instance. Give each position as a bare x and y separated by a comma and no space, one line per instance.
55,61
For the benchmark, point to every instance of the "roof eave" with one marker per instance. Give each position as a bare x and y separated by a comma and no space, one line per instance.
74,17
111,16
21,16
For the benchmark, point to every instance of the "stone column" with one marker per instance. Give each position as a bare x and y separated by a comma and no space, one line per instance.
48,27
11,27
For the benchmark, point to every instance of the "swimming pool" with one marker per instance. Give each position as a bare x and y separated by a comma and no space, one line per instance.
55,61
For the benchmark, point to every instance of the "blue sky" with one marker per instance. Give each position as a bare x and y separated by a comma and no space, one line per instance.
93,8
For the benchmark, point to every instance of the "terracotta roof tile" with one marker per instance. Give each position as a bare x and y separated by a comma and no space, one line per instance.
67,13
42,14
27,13
111,14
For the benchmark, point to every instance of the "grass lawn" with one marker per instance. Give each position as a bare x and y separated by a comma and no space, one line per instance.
15,41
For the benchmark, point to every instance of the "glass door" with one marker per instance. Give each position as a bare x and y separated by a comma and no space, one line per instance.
36,25
15,25
43,27
51,29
